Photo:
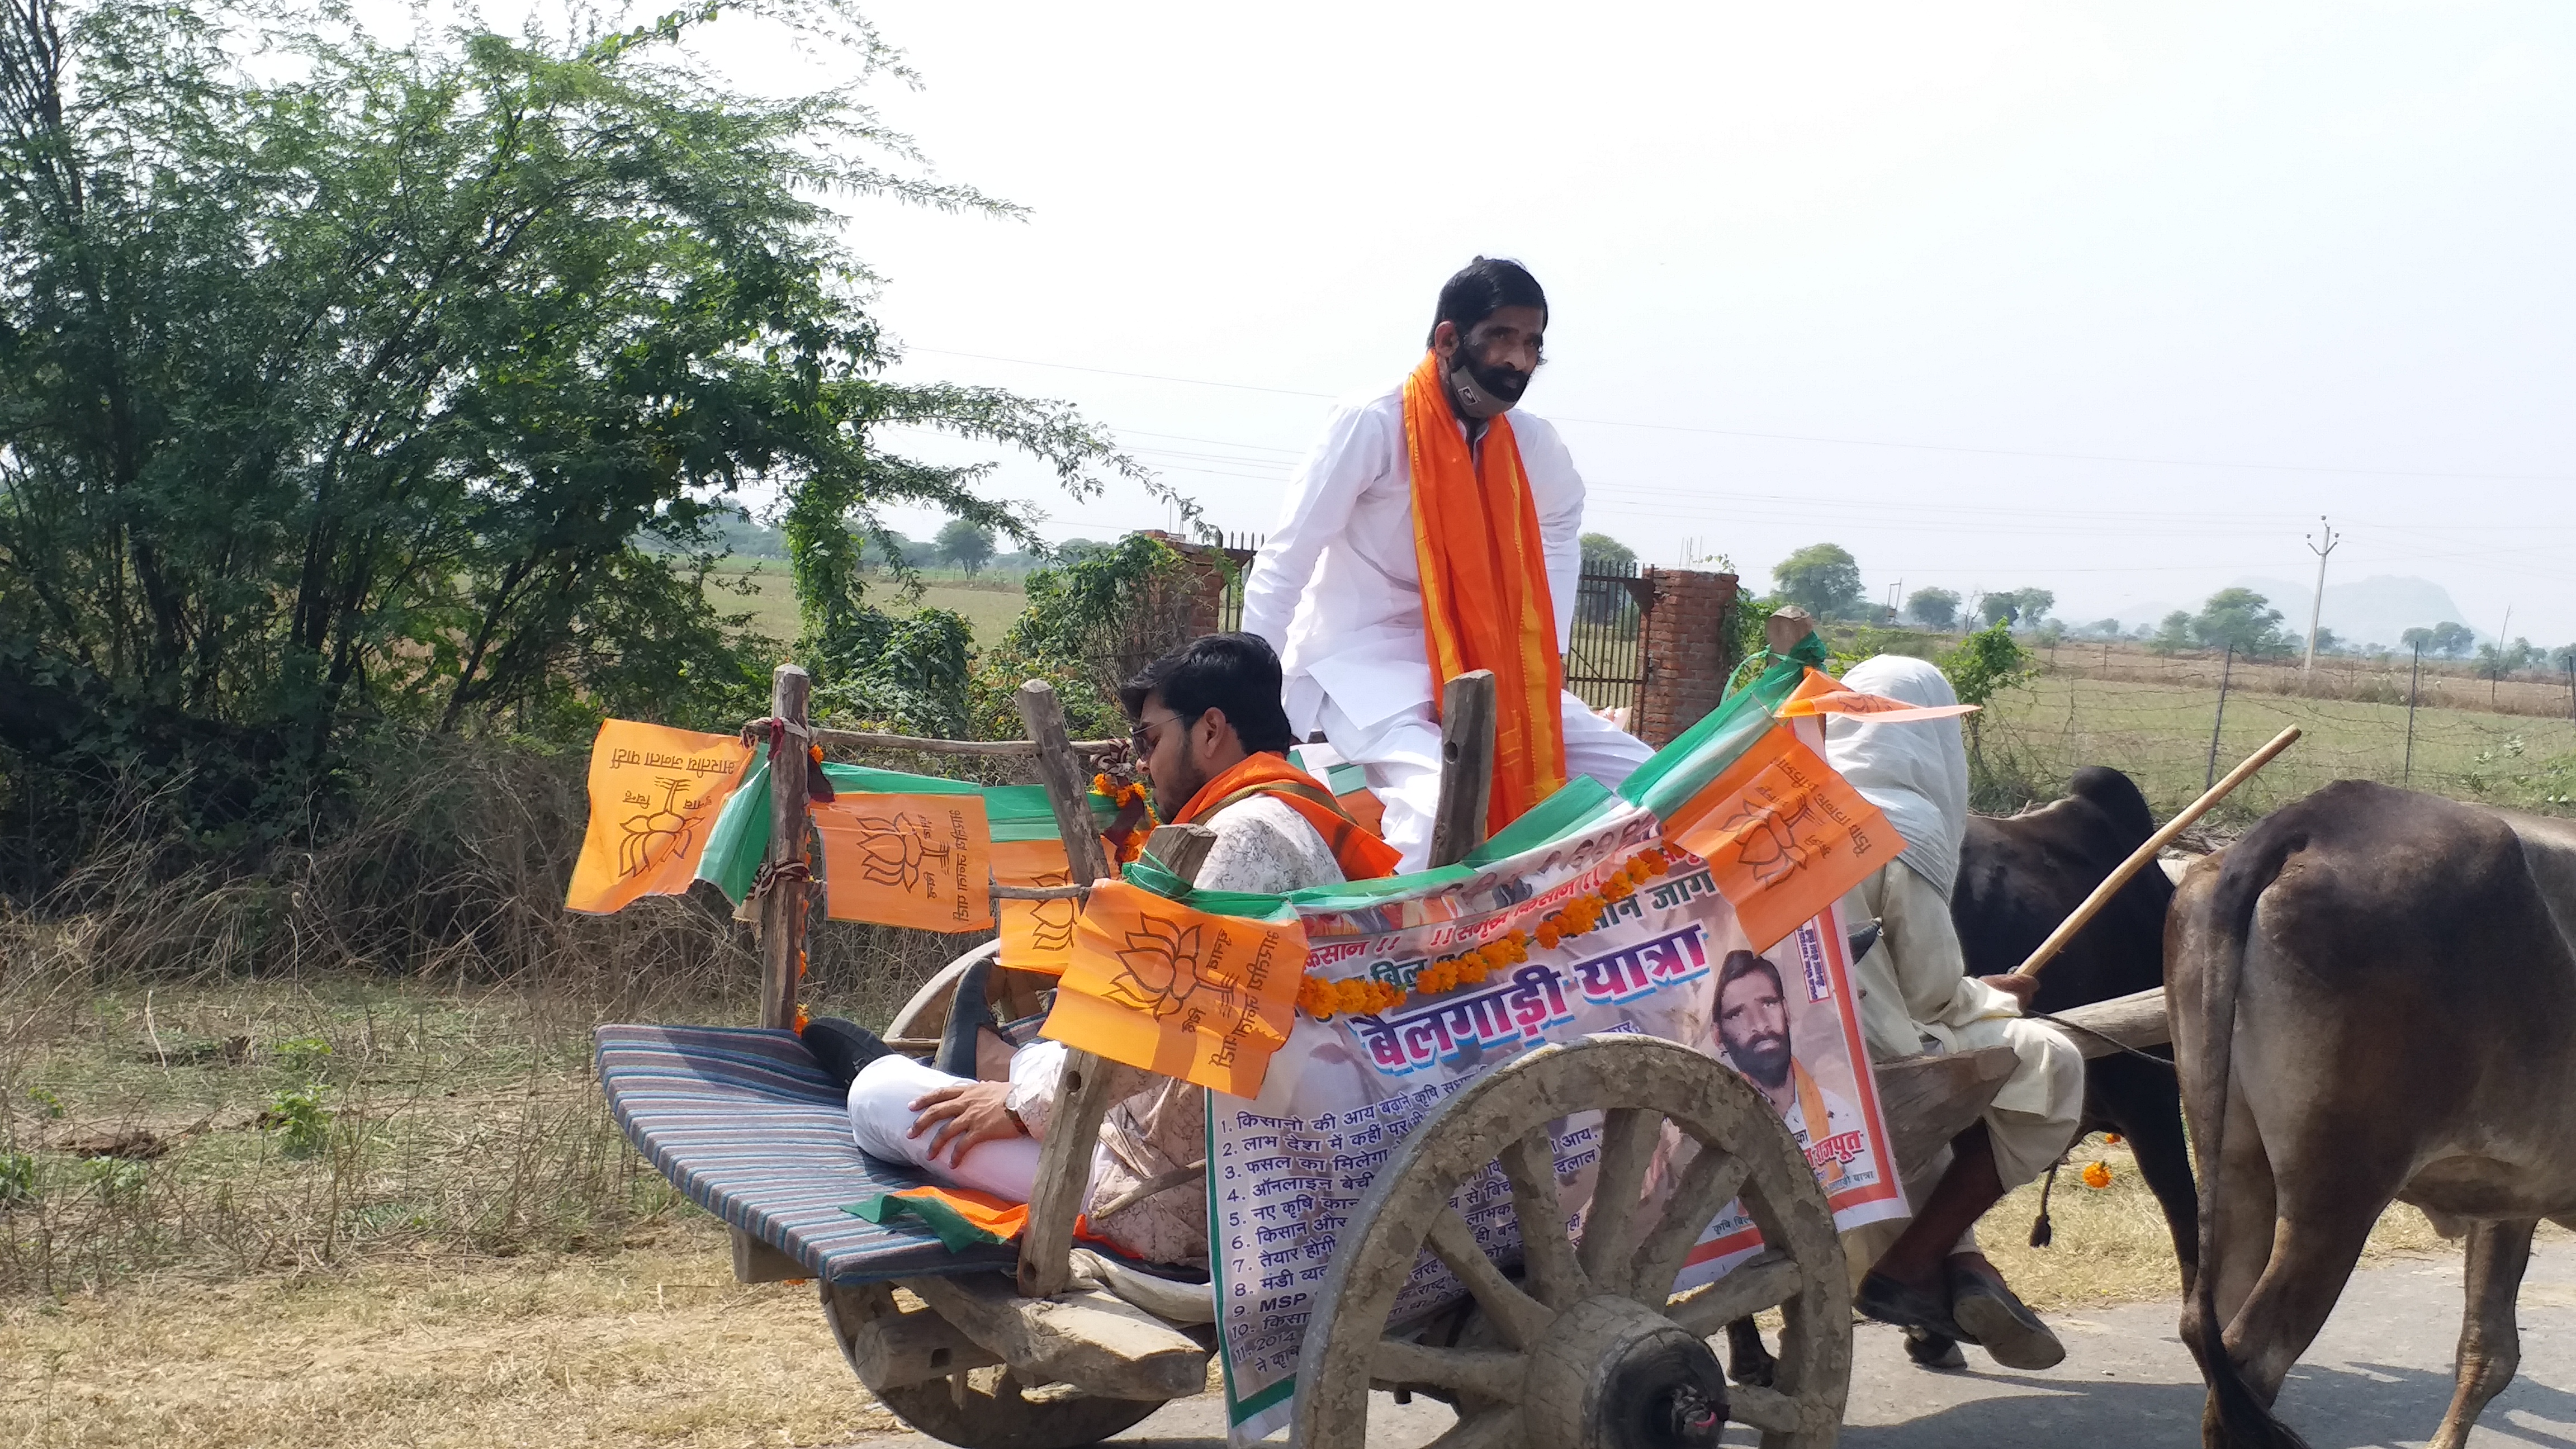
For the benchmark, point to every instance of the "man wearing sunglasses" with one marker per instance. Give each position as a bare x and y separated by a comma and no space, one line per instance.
1213,739
1436,530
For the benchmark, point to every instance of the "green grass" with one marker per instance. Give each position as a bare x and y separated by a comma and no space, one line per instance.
2160,735
761,589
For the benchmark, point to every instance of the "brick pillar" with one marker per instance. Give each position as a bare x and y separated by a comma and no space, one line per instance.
1197,601
1688,648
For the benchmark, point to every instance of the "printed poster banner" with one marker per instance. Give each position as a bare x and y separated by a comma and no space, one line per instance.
1178,992
907,860
654,795
1288,1168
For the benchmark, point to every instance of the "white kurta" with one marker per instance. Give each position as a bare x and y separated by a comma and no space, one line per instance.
1337,590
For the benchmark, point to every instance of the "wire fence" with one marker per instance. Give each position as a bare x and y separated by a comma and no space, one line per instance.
2172,737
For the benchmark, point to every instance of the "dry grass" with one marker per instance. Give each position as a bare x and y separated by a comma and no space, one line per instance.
2111,1245
762,589
653,1345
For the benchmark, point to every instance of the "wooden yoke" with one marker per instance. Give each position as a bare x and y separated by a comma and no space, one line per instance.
1466,767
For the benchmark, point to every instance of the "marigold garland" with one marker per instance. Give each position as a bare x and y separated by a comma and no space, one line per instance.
1321,999
1121,796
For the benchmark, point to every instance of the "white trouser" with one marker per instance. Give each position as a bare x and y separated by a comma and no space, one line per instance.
881,1116
1401,756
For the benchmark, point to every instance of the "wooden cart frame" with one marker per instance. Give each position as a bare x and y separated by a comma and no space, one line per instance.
1581,1344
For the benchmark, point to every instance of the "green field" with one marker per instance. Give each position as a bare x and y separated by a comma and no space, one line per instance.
761,589
2160,735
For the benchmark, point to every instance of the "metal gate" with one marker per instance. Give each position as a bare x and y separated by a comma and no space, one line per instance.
1605,665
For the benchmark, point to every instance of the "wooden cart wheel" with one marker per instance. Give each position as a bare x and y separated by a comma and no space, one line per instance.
979,1407
1590,1350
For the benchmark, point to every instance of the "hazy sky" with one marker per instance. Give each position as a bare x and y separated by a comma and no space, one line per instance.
2108,299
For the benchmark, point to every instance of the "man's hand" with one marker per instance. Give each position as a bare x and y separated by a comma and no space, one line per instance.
959,1117
2020,988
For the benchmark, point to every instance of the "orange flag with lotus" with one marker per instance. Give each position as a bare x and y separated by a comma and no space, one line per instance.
1179,992
1783,835
1036,935
654,794
907,860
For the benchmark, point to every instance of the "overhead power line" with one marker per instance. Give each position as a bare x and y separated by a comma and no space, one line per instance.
2334,469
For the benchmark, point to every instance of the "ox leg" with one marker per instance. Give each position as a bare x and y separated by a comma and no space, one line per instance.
2247,1207
2490,1343
1748,1361
2143,1103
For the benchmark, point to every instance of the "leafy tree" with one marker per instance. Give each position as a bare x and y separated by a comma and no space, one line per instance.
2022,607
2173,635
1984,665
2101,629
2453,640
2328,642
1933,608
1075,550
1821,578
341,393
1604,554
2242,620
966,545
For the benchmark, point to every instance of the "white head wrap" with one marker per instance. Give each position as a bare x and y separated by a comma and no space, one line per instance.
1916,773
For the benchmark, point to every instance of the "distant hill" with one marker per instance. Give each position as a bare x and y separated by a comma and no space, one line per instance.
2366,611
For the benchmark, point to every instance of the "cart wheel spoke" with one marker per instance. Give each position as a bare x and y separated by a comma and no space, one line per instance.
1529,1164
1482,1372
1520,1317
1707,1185
1765,1280
1491,1429
1769,1410
1628,1138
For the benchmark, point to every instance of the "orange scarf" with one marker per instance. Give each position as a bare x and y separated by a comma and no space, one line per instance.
1362,856
1485,599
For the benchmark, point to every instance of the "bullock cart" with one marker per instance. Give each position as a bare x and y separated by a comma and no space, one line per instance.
1579,1341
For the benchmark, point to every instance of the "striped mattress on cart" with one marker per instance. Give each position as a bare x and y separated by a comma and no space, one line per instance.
746,1125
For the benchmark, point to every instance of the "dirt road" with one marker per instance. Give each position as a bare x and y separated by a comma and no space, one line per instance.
2379,1375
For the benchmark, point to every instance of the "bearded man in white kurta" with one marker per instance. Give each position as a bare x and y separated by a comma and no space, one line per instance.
1339,588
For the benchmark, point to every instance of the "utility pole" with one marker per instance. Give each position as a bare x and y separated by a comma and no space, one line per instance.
2316,612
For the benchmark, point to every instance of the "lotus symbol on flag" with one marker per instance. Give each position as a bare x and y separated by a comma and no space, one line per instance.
656,834
1766,840
1161,967
1054,929
893,849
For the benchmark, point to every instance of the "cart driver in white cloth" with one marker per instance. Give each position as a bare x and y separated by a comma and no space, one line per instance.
1444,480
1917,997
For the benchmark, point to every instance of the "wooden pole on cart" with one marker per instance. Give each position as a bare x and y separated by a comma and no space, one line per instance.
2139,858
1081,1094
782,905
1466,766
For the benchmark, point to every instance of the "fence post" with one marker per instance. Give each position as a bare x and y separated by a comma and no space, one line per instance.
2571,684
2413,676
782,905
2224,671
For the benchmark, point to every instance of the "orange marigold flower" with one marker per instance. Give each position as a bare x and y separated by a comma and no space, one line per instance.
1547,937
1618,889
2097,1175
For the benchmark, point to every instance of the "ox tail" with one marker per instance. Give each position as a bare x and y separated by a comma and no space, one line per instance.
2227,921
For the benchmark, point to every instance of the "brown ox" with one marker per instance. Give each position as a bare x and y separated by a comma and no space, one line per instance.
2373,1000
